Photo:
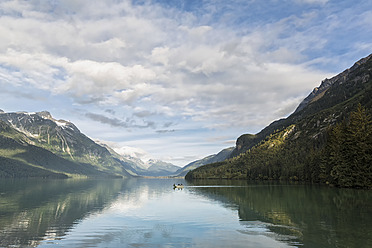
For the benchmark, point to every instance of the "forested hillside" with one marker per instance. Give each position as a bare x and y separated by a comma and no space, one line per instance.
327,139
221,156
37,145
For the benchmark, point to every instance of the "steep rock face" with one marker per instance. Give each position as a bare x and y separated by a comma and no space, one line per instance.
62,138
341,78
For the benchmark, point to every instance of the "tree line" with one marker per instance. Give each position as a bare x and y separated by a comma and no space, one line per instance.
340,156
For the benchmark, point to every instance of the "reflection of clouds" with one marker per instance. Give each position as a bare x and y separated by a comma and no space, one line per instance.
254,227
159,235
232,238
128,202
282,233
146,213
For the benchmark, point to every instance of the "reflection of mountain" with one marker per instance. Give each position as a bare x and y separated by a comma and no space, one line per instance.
310,215
32,209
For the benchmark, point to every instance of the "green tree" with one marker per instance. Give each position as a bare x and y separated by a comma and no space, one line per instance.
348,155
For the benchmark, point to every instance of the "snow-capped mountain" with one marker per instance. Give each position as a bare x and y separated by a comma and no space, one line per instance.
63,139
138,162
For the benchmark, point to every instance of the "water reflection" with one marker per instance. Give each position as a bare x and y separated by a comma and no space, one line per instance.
34,210
306,215
150,213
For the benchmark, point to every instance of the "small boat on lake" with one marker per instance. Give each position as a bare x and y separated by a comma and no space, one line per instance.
178,186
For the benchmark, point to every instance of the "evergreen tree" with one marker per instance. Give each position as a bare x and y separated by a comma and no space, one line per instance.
349,152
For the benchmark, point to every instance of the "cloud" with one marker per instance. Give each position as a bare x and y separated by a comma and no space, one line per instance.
27,95
128,151
165,131
133,152
110,111
82,78
144,113
312,1
179,65
115,122
203,72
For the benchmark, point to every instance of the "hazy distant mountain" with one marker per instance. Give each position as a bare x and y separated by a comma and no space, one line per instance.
160,168
137,167
294,148
221,156
33,134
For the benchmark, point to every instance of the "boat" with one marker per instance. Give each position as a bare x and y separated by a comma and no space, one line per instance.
178,186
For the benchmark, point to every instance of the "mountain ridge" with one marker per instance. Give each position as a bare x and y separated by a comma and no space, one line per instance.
139,167
62,141
60,138
298,147
247,141
220,156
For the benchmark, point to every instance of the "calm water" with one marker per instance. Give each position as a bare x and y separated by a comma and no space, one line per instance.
149,213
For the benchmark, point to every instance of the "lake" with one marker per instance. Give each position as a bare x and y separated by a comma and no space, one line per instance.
150,213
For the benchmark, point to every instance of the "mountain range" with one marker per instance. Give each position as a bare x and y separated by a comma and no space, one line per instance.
37,145
328,103
221,156
294,148
327,139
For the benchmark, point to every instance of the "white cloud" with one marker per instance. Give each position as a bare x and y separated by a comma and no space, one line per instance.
312,1
195,71
133,152
193,67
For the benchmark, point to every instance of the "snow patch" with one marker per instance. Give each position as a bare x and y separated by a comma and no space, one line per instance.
22,130
61,123
64,124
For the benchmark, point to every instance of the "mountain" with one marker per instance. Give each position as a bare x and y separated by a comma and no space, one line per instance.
347,87
221,156
131,165
137,167
330,99
159,168
300,147
37,140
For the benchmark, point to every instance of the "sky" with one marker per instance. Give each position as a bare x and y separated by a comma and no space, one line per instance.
175,80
